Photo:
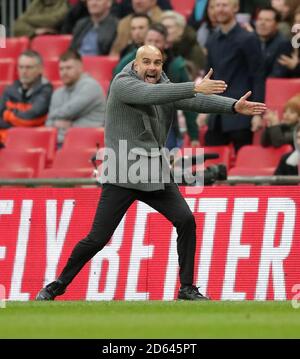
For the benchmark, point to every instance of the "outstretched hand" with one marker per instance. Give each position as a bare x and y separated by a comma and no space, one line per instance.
208,86
249,108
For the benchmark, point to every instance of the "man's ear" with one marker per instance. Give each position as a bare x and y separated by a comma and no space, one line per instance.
134,65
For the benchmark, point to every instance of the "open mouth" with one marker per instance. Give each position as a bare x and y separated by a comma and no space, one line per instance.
150,78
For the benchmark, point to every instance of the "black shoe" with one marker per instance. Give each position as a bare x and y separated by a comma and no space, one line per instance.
191,292
51,291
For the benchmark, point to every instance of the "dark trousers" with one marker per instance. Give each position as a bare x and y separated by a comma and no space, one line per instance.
113,204
239,138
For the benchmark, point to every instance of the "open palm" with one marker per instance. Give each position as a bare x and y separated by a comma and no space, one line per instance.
249,108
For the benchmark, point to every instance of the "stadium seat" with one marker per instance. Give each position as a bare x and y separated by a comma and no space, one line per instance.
51,70
51,46
20,138
257,160
68,164
279,91
21,164
100,68
83,138
224,153
7,72
184,7
14,47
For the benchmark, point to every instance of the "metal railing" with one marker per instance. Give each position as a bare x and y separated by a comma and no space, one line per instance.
87,182
11,10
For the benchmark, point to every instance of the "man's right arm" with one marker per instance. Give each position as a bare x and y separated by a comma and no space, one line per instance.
133,91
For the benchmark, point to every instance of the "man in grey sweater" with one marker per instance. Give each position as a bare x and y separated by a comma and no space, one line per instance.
80,102
139,109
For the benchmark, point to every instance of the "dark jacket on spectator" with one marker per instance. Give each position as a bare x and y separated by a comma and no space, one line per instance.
284,169
236,58
278,135
24,108
282,71
106,29
77,12
289,162
271,51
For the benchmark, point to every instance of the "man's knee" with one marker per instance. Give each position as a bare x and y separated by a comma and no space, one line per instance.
187,220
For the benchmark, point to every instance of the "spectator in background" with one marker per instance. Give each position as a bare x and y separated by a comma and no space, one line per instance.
80,102
94,35
139,26
235,55
25,103
278,133
174,67
77,12
272,41
288,64
41,17
122,8
208,25
290,162
286,8
183,41
198,14
148,7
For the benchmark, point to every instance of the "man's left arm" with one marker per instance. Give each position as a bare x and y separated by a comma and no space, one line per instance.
219,104
207,104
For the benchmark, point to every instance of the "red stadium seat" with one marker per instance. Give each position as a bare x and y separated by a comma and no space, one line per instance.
51,46
70,164
66,173
257,160
184,7
279,91
100,68
224,153
51,70
7,72
248,171
14,47
21,164
83,138
20,138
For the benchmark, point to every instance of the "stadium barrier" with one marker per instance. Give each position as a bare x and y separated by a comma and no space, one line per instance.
247,245
91,182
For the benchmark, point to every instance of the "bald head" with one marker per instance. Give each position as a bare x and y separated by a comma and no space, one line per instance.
148,63
147,50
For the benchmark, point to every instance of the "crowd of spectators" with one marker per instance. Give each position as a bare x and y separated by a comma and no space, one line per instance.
244,42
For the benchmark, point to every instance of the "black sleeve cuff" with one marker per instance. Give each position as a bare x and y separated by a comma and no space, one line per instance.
233,109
